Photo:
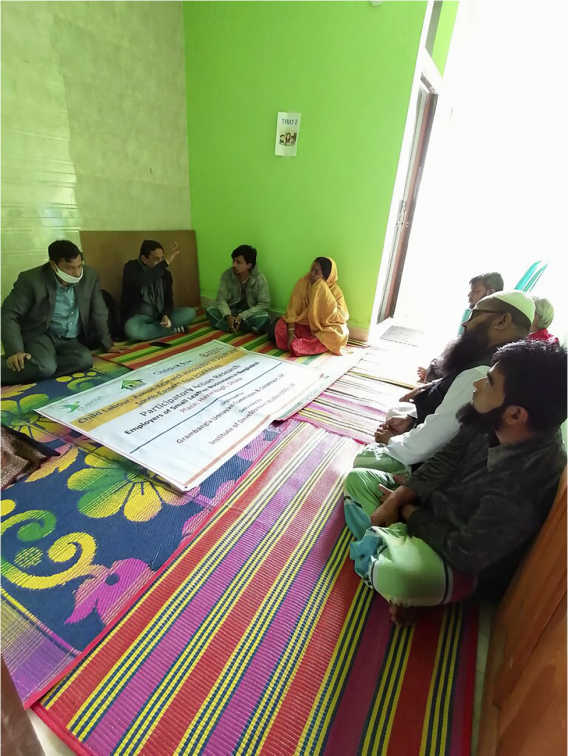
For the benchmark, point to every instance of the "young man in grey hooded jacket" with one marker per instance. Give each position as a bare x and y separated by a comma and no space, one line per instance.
243,299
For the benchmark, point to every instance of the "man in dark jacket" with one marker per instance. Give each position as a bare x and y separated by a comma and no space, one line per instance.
472,510
147,296
50,316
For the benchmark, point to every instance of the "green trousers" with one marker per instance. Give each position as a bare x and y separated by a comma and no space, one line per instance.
376,457
403,569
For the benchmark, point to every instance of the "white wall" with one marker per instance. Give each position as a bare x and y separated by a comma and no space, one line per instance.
494,191
94,130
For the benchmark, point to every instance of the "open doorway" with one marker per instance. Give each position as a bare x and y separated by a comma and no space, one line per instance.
425,108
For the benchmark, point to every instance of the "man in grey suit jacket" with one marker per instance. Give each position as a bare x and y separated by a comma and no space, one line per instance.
50,316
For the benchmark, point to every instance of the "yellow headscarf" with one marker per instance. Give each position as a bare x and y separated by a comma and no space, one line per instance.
322,307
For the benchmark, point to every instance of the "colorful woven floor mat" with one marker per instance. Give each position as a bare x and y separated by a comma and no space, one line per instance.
355,403
258,638
353,406
19,404
81,536
200,332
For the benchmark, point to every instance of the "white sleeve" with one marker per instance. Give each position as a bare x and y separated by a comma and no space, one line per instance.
426,439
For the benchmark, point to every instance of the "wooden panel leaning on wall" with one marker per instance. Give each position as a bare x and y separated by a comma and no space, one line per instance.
108,251
524,694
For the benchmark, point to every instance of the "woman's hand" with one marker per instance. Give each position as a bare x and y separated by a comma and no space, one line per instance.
291,336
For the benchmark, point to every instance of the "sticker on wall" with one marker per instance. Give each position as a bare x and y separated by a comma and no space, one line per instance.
287,130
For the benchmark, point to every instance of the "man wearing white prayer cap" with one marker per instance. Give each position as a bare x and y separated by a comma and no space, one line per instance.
427,420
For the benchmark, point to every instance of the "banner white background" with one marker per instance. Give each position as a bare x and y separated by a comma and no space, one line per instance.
185,416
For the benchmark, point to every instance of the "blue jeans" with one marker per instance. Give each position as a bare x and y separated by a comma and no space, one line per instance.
147,328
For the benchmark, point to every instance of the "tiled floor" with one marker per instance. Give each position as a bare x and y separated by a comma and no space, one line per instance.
51,744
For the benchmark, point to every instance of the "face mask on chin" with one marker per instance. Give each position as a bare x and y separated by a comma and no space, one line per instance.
66,278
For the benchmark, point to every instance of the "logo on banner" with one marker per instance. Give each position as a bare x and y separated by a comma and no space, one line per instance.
131,385
71,407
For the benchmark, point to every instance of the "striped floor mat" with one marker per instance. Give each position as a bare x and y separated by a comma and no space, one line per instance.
352,406
114,524
258,638
200,332
355,403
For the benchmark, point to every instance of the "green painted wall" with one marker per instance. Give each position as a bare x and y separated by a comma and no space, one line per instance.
348,68
444,33
93,123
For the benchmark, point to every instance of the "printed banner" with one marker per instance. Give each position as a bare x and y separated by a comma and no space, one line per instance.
185,416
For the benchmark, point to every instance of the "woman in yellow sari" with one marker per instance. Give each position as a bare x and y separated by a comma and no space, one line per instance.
316,318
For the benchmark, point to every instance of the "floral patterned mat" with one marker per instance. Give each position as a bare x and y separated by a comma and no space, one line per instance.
85,533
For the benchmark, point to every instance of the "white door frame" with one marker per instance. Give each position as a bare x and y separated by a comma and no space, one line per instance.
425,68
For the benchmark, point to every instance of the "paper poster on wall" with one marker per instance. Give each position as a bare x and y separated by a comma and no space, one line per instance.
287,130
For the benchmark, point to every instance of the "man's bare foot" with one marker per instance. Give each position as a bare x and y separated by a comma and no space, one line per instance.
403,616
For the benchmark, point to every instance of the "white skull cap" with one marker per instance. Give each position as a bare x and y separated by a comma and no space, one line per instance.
517,299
